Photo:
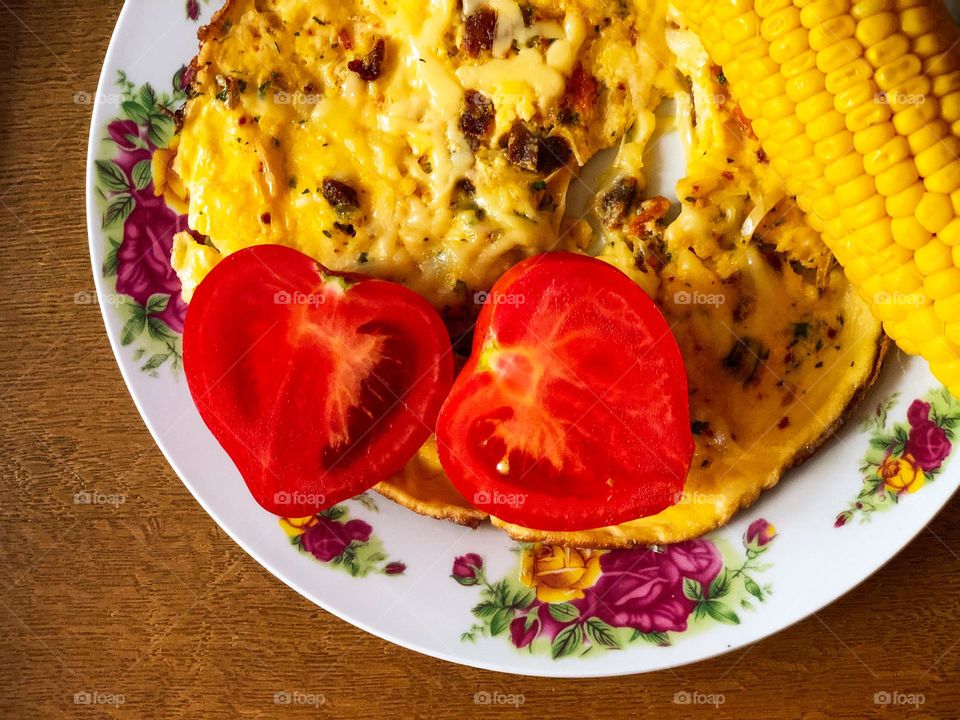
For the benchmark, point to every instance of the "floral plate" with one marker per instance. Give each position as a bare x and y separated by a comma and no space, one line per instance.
474,596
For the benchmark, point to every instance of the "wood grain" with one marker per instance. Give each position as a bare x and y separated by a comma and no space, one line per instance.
151,601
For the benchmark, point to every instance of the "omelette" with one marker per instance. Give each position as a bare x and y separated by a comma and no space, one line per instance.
434,143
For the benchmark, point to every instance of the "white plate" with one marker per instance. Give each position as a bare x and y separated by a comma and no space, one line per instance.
394,578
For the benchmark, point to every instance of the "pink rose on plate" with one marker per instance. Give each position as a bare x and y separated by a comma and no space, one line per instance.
927,442
466,569
328,538
929,445
918,412
643,589
520,634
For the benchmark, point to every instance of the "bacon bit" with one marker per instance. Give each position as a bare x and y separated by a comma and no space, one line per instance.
370,67
343,37
553,154
479,31
265,218
616,202
784,423
580,97
653,209
340,195
476,122
743,122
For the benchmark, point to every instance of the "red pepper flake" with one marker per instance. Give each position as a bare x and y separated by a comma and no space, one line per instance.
344,37
727,175
265,218
479,31
784,423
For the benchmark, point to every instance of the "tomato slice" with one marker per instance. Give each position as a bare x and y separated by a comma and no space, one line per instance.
317,384
572,411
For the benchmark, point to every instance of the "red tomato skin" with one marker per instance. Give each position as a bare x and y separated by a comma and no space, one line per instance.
267,334
650,461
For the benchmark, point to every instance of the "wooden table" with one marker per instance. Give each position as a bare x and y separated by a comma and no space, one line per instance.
151,601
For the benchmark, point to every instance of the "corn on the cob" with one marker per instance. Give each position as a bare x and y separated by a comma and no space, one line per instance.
857,105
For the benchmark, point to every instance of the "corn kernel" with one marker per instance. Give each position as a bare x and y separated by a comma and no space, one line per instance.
875,28
946,180
935,211
950,107
913,118
943,284
826,151
938,156
927,136
867,8
897,179
909,233
897,72
766,8
864,213
812,108
887,50
918,21
886,157
822,11
789,46
836,56
947,83
829,124
872,138
853,73
950,235
807,60
805,85
948,309
952,331
905,202
867,115
933,257
844,169
833,30
780,23
857,190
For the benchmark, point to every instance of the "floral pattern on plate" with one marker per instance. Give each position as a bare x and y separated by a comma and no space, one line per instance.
344,543
139,226
904,456
569,602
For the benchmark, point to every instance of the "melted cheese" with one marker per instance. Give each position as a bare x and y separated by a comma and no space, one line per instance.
278,111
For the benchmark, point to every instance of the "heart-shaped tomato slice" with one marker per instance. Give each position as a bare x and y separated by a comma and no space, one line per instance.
318,385
572,412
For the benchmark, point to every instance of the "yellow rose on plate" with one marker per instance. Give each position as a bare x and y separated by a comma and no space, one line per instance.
559,574
297,526
901,474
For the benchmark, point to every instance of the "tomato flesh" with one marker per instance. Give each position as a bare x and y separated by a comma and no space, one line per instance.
318,385
572,412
